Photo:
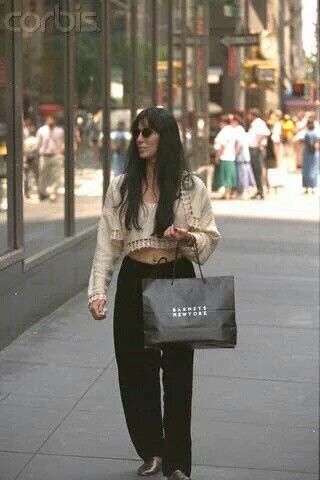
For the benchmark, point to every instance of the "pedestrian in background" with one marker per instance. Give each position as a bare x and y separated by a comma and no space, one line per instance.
245,177
257,133
150,208
310,169
225,174
30,158
51,150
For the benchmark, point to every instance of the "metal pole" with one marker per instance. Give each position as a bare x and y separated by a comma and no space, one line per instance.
184,70
281,27
239,91
69,81
154,52
106,82
14,113
133,14
318,62
170,56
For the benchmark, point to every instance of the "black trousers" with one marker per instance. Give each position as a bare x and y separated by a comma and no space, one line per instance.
257,166
167,436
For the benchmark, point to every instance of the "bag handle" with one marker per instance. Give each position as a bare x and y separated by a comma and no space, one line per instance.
196,251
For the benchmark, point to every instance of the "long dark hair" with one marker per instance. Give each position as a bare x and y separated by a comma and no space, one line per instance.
171,171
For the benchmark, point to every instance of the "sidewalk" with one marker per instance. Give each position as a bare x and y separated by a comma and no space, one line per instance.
255,409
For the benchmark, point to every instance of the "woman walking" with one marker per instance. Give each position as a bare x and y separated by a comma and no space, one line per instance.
245,178
154,204
225,174
311,157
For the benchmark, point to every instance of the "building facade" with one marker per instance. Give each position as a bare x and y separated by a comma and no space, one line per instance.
91,66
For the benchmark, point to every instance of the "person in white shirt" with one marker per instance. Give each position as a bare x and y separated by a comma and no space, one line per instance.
225,174
51,149
257,133
245,177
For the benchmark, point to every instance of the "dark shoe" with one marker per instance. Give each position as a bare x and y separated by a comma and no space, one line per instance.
178,475
150,467
258,195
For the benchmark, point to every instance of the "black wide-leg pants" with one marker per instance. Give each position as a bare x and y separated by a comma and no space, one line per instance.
167,436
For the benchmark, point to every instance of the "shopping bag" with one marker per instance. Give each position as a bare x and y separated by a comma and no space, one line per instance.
199,312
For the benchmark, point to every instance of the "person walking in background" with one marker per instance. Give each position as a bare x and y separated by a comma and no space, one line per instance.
257,133
310,169
152,206
51,149
30,158
119,142
298,145
225,174
245,177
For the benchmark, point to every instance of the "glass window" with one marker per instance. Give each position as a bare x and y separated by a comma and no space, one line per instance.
177,63
120,85
3,143
162,61
88,116
43,124
144,56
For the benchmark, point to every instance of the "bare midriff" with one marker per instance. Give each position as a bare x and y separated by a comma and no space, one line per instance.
153,255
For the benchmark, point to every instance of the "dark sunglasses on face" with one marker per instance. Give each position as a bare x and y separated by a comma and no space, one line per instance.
145,132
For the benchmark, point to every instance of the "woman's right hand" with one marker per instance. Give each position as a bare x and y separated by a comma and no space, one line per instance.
97,309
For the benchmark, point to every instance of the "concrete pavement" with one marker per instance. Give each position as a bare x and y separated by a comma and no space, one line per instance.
255,409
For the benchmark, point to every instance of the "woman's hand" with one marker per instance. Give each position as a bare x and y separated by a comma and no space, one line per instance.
97,309
176,233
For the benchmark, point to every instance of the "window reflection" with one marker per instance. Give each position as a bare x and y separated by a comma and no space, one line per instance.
3,143
162,61
43,129
120,85
144,57
88,119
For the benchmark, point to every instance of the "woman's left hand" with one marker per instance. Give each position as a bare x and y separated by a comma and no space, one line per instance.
176,233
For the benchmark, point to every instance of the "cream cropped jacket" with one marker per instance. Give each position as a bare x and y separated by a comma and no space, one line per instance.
193,211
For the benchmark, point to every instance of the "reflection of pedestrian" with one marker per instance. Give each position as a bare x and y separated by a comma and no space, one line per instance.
225,174
119,149
30,158
51,148
154,222
311,157
245,178
258,133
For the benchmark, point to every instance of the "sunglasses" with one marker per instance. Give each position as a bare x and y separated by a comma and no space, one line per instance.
145,132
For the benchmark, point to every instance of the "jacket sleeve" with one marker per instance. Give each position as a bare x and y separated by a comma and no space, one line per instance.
107,251
202,225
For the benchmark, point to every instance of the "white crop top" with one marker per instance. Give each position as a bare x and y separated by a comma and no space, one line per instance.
192,211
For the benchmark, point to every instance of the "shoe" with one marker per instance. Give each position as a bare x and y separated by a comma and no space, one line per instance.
178,475
257,195
150,467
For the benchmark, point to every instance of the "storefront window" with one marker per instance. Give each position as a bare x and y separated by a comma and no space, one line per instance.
120,85
162,61
3,143
43,124
177,64
144,57
88,117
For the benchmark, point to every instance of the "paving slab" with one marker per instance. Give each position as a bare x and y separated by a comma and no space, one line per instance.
266,447
24,429
33,379
11,464
51,467
99,433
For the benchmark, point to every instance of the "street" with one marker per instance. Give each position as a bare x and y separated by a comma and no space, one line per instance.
255,408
